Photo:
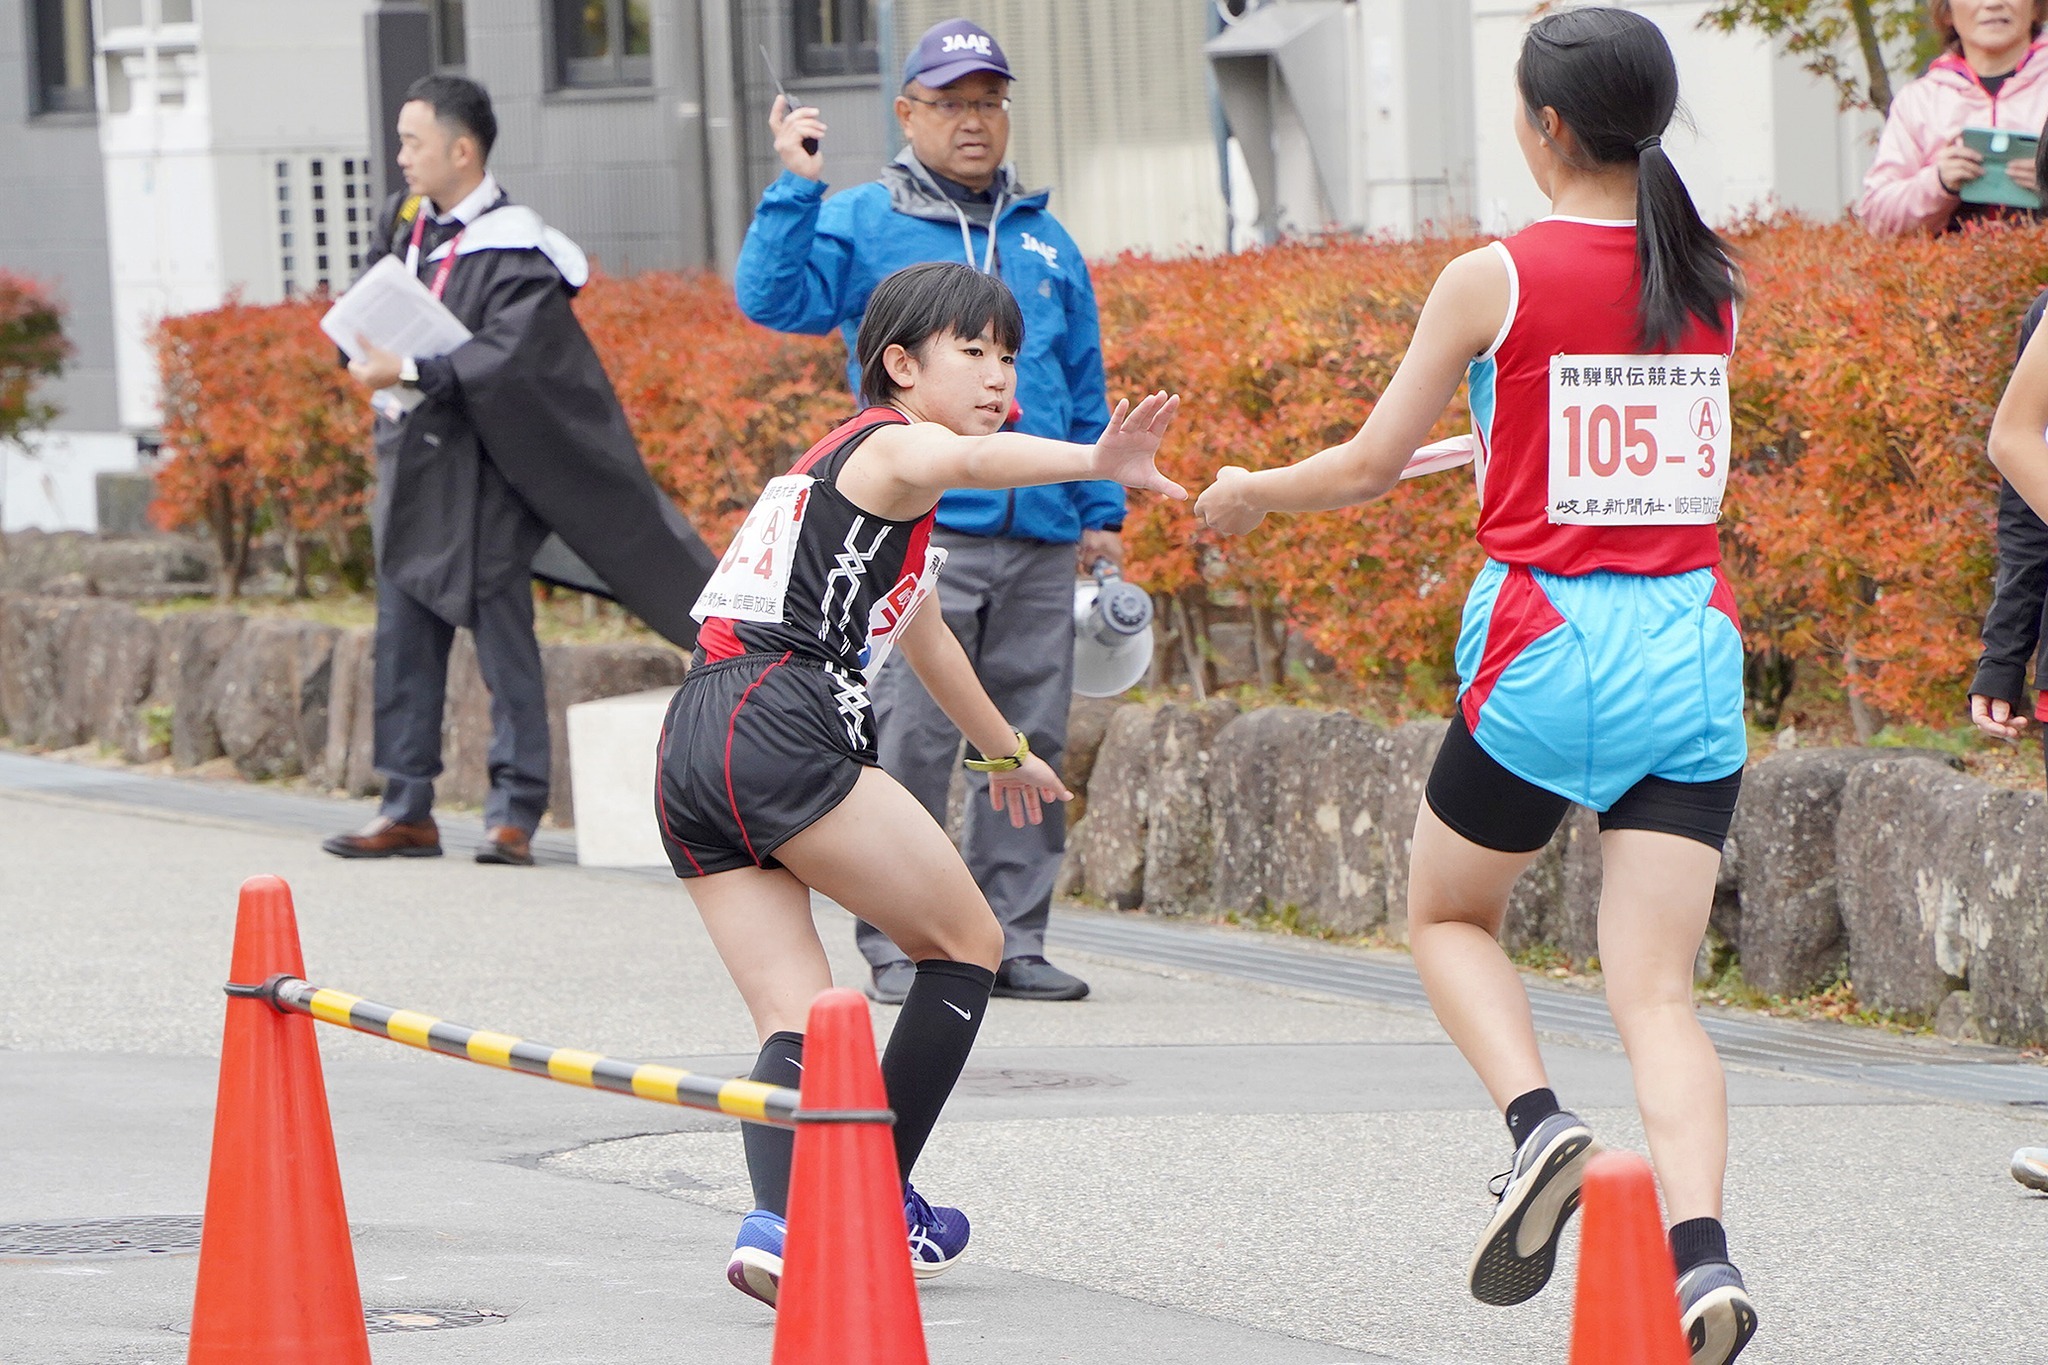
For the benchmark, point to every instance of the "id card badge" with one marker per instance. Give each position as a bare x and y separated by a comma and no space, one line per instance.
1638,440
889,616
752,582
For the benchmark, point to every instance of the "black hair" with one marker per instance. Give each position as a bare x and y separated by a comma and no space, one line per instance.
1610,76
461,102
920,302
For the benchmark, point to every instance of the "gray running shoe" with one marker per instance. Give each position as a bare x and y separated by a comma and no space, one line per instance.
1538,1197
2030,1168
1715,1312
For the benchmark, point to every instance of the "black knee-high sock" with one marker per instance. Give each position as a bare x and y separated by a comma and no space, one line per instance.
769,1149
934,1033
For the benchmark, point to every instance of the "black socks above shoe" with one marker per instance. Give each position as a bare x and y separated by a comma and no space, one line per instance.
769,1149
1698,1241
1526,1111
929,1047
934,1033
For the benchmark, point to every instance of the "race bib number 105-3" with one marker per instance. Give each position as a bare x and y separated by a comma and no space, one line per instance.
752,580
1638,440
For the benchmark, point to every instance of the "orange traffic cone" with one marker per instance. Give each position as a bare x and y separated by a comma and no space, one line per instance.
277,1276
847,1294
1626,1312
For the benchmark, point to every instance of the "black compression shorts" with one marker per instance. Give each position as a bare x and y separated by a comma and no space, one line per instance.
1481,800
754,751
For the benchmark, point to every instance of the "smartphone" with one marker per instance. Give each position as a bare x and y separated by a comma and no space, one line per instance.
1998,146
810,143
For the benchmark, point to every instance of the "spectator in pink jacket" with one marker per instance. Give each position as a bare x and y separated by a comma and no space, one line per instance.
1994,74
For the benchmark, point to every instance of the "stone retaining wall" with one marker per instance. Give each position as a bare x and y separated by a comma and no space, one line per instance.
279,698
1925,885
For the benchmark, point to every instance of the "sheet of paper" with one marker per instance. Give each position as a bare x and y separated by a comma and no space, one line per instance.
1441,455
395,312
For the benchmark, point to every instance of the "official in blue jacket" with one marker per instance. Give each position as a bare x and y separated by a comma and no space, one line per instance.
808,265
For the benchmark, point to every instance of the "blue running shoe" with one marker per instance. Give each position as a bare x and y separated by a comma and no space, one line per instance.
1539,1194
937,1235
1716,1313
756,1265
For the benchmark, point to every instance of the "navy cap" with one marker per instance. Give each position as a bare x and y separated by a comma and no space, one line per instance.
948,51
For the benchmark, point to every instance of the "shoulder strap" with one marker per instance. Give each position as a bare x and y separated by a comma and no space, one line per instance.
824,459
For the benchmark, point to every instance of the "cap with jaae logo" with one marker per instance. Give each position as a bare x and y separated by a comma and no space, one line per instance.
948,51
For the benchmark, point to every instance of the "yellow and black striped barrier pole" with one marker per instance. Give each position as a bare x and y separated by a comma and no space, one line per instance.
741,1099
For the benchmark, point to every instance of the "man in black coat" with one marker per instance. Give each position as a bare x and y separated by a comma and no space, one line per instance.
480,454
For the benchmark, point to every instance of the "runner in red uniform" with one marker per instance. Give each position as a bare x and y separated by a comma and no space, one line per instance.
1600,658
769,786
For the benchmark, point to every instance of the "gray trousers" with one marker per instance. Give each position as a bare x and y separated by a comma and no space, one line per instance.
1011,603
412,690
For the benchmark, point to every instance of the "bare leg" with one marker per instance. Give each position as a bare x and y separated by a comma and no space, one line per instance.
1457,898
1655,897
882,856
760,921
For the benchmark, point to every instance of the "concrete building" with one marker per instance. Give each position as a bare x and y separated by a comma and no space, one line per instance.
161,154
1396,116
53,227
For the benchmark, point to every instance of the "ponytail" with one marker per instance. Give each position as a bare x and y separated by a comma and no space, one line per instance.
1610,76
1687,271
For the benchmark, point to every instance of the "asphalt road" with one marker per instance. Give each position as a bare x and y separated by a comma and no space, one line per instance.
1187,1167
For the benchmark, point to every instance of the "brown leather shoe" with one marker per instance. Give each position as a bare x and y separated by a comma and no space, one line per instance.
384,837
507,844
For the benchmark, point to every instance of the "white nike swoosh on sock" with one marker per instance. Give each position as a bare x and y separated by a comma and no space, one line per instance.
957,1010
798,1065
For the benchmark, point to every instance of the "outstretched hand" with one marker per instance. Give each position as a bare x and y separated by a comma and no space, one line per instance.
1226,505
1025,790
1127,446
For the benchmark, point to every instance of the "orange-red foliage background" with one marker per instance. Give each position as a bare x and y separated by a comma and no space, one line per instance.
1859,526
267,432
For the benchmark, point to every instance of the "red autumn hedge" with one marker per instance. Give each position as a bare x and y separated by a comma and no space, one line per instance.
1859,518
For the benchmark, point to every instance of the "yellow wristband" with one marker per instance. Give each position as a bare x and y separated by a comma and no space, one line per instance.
1004,765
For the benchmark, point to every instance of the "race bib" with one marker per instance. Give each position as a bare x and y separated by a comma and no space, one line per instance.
752,581
1638,440
888,617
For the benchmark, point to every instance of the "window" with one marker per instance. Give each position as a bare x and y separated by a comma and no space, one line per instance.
603,43
451,37
64,56
836,38
324,221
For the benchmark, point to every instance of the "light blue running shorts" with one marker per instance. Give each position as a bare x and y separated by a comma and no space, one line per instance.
1585,685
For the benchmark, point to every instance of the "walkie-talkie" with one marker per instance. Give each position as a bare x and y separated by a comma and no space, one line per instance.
810,143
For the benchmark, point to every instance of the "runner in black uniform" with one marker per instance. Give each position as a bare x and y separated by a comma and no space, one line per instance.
769,785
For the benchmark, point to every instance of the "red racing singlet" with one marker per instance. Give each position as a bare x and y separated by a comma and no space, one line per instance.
1592,454
811,574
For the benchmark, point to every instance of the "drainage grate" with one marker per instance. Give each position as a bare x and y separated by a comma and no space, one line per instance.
427,1319
1010,1080
1983,1075
154,1235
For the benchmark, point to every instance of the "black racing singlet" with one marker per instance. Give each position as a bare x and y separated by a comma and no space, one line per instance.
813,575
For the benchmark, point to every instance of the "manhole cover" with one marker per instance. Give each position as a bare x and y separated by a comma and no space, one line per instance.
427,1319
1009,1080
157,1235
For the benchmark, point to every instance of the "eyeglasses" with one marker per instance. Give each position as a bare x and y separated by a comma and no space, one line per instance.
950,109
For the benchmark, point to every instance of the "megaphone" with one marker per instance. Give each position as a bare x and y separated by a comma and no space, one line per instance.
1112,633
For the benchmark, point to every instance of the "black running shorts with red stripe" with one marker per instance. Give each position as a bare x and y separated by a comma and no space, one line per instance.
754,751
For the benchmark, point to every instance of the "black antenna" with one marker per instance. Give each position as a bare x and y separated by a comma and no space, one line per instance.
810,143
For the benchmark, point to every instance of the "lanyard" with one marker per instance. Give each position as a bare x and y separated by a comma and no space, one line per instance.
412,254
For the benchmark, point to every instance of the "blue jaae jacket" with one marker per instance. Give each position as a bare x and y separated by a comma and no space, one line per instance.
809,263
